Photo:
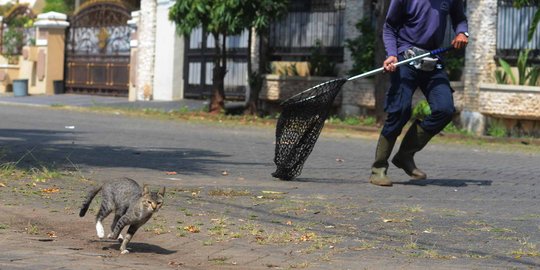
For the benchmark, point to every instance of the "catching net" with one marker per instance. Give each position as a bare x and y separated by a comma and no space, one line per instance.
299,126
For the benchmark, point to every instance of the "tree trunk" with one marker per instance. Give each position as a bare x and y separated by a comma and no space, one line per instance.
382,79
253,78
217,98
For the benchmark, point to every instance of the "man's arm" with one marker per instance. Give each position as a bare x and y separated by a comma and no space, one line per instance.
391,27
459,22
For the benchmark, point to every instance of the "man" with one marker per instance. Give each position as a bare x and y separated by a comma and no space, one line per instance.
413,27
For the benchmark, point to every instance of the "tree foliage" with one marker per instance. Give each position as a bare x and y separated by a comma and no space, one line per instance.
62,6
362,47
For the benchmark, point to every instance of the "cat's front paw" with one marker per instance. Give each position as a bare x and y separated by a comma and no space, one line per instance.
100,230
125,251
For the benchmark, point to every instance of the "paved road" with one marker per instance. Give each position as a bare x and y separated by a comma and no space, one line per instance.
478,210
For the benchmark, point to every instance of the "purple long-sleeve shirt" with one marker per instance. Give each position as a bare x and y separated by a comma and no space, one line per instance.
420,23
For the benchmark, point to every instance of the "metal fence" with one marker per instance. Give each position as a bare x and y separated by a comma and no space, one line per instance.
512,29
200,54
306,25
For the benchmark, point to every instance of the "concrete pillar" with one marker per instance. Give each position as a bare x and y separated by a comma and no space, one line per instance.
50,43
146,30
134,44
169,56
479,63
354,12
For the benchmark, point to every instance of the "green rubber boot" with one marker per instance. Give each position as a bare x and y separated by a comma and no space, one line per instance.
415,139
380,166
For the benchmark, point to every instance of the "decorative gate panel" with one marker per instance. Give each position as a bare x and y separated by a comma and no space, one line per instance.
98,50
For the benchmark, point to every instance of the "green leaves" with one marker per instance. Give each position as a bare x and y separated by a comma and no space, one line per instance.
507,71
362,47
527,75
225,16
421,110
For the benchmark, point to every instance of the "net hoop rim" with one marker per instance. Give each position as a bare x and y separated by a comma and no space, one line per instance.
297,97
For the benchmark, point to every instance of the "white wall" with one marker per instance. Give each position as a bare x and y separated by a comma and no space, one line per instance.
169,56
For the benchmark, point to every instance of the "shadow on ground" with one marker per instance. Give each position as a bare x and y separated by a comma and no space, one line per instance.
135,247
446,182
28,148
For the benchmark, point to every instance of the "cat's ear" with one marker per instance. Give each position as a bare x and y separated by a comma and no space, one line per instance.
145,189
162,191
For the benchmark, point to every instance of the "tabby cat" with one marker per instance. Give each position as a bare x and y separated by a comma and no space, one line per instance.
132,204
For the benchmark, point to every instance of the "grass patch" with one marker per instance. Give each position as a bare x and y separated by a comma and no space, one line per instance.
44,174
527,217
228,192
10,171
527,249
32,229
219,260
413,209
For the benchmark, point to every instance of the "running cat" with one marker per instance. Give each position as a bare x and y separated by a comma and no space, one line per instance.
132,204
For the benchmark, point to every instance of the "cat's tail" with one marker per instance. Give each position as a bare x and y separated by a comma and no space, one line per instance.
88,200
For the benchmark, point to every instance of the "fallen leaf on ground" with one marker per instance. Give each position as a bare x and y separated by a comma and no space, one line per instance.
52,234
175,263
192,229
171,173
307,237
50,190
2,185
225,173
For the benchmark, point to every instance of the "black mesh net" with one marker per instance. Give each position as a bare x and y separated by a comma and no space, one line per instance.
299,126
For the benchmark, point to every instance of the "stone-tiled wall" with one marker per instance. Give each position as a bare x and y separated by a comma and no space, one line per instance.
509,101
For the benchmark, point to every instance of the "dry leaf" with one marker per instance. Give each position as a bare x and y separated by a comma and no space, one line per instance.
50,190
288,222
224,173
52,234
192,229
2,185
307,237
171,173
175,263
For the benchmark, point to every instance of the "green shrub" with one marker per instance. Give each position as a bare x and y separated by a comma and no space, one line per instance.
527,74
320,64
421,110
362,47
370,121
353,121
497,129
